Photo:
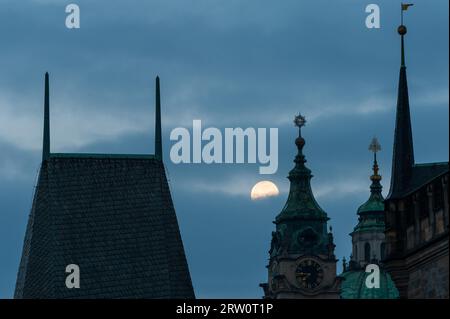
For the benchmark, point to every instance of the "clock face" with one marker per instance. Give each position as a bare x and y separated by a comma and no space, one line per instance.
309,274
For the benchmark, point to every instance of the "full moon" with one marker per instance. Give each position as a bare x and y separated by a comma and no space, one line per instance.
264,189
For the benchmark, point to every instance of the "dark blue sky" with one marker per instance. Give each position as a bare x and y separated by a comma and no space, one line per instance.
229,63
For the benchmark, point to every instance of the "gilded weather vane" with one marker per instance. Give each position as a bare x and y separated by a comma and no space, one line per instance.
405,7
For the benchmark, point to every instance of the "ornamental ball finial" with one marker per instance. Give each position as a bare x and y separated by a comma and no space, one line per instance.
402,30
300,142
299,121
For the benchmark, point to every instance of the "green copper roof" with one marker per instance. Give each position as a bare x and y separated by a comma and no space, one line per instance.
371,213
301,226
301,203
370,223
354,286
375,203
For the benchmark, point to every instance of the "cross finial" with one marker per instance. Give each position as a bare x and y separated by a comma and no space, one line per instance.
374,145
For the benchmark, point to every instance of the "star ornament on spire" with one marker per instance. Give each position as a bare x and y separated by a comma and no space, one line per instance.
299,121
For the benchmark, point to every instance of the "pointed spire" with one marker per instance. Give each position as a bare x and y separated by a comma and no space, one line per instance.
403,152
376,187
301,201
302,223
375,203
46,139
402,49
402,30
158,138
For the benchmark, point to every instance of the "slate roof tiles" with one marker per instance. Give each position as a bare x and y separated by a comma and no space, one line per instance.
114,218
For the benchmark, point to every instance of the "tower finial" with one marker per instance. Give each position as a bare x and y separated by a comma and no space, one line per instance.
375,147
46,139
300,121
403,152
402,30
158,138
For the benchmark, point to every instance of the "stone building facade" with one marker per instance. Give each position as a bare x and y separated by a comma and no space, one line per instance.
417,237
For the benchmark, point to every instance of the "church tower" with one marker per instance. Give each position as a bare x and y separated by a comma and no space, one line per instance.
368,243
416,208
302,263
368,236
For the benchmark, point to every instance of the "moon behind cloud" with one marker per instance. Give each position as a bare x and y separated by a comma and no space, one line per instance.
264,189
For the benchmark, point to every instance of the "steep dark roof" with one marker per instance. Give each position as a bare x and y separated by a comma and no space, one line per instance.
422,174
403,152
113,216
407,176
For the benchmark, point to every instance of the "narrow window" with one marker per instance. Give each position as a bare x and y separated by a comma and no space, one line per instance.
423,204
367,252
438,196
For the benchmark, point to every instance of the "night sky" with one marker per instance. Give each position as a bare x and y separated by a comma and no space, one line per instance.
230,63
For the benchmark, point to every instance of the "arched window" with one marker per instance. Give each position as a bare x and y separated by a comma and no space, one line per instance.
382,250
367,252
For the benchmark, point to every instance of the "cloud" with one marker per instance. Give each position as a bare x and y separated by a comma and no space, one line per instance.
340,188
240,186
71,128
229,185
74,126
10,170
228,63
58,2
438,97
18,125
